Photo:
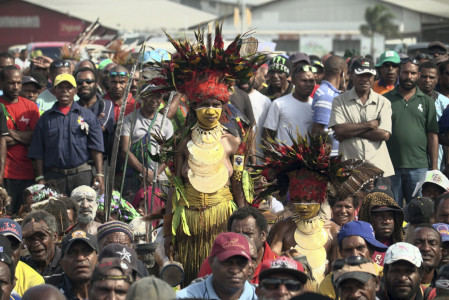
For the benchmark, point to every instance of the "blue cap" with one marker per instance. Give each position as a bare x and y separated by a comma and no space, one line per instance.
10,227
443,229
362,229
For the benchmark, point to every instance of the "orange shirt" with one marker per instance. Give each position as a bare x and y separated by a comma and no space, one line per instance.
382,89
25,114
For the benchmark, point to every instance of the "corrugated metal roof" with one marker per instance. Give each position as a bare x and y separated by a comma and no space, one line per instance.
130,15
432,7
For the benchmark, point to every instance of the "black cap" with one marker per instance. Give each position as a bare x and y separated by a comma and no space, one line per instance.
363,65
30,79
419,210
280,63
437,44
124,253
79,235
383,185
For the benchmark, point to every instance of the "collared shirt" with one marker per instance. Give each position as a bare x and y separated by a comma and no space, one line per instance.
46,99
412,120
322,107
347,108
59,140
205,290
381,87
63,284
51,268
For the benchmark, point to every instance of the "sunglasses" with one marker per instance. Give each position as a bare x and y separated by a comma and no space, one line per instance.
437,51
273,284
352,261
61,64
118,74
305,68
390,64
81,81
409,60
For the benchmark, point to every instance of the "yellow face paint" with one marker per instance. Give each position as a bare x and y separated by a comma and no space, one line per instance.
208,117
307,210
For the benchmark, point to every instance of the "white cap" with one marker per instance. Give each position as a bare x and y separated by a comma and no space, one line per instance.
435,177
403,251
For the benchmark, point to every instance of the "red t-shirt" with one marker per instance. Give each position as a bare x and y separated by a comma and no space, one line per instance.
129,105
26,114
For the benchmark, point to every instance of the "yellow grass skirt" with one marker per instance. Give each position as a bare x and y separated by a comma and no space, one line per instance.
206,217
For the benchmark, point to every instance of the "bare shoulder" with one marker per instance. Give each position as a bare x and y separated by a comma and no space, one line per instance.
232,141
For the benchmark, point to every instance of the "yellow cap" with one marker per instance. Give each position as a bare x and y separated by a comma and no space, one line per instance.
65,77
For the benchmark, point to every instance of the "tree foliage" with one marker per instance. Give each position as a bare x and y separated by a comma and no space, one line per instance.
379,19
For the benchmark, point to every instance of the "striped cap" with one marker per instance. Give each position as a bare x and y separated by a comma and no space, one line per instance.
114,226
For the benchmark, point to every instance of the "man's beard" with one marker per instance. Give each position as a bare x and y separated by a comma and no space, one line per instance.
87,97
406,87
85,219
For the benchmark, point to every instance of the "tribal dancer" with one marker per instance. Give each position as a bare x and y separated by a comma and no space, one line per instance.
305,173
208,161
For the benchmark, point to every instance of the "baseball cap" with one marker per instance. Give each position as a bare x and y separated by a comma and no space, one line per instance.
30,79
102,268
150,288
435,177
230,244
122,252
363,65
419,210
297,57
104,63
437,44
361,272
10,227
388,56
283,265
65,77
5,250
280,63
383,185
443,229
79,235
364,230
403,251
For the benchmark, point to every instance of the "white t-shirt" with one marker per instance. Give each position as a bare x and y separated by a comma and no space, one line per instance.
260,104
288,114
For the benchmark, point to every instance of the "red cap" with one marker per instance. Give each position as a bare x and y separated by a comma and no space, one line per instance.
230,244
284,265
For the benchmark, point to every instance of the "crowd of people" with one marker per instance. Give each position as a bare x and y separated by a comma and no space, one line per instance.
252,175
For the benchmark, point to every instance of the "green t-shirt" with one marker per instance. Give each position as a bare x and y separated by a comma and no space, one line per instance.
411,121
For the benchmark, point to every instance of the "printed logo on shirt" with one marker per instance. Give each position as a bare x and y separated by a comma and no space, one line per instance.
420,107
23,119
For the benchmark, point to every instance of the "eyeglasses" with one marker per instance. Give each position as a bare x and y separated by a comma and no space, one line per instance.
273,284
409,60
390,64
63,63
352,261
305,68
118,74
81,81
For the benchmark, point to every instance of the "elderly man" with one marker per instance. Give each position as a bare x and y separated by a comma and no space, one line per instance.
79,257
355,238
66,137
356,278
229,259
111,280
402,273
116,232
361,119
88,204
25,276
40,235
429,243
282,278
21,118
7,271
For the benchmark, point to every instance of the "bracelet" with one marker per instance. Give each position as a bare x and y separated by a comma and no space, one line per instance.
39,178
99,174
237,176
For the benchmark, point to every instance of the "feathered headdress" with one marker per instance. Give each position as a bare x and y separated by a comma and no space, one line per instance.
304,169
204,70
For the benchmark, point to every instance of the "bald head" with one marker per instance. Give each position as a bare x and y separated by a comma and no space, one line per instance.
43,292
119,68
333,66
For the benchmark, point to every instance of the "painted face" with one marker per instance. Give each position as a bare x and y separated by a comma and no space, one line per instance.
208,113
307,210
87,200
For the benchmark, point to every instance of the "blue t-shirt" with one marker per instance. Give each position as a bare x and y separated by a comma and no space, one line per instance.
322,107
